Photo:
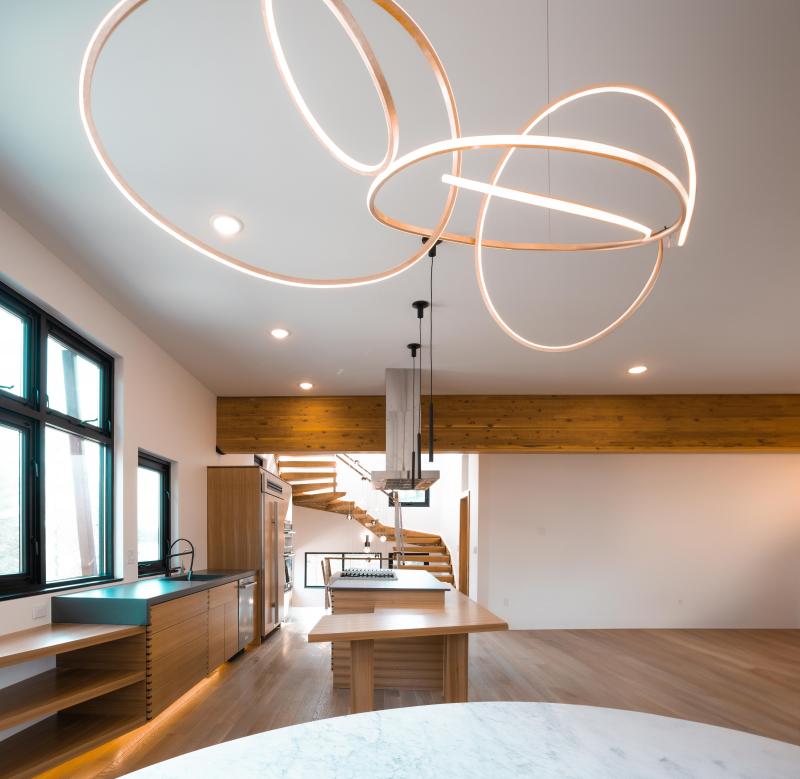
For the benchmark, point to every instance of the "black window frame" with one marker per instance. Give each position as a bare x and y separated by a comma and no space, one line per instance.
31,411
164,467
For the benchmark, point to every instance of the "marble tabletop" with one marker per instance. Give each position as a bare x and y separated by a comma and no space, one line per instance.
494,741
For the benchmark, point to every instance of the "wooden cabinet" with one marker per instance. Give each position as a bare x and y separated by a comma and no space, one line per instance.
246,511
177,649
187,639
223,624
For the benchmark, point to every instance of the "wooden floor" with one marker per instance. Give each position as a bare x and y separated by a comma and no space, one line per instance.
743,679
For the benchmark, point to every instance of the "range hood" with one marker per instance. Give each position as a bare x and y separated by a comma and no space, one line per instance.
402,415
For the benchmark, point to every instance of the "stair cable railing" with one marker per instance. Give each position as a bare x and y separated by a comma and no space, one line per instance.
371,504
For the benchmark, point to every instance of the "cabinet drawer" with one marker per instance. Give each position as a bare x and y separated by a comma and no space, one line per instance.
164,615
178,639
225,593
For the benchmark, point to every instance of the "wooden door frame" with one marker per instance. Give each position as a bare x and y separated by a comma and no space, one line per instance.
463,543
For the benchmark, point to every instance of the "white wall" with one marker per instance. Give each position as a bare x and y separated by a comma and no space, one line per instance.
159,407
641,541
323,531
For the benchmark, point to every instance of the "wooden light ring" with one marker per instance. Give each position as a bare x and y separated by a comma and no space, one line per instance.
508,330
99,39
359,40
650,283
511,142
596,89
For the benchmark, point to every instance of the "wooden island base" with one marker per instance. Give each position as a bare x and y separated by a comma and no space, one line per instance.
359,636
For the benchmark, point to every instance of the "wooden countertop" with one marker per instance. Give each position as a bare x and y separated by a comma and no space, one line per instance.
459,615
406,580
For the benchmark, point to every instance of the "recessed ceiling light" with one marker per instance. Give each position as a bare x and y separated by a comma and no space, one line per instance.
637,369
279,333
226,225
306,385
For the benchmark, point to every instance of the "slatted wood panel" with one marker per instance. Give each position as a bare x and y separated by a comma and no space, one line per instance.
409,663
520,423
177,649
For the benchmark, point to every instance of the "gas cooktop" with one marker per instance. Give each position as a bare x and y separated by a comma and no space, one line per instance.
369,573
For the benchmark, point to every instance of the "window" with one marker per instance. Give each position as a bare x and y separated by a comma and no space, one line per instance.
56,444
152,513
13,334
413,498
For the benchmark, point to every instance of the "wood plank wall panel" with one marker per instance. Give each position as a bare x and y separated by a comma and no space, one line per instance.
520,423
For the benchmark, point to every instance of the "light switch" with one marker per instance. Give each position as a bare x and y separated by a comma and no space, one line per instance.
131,557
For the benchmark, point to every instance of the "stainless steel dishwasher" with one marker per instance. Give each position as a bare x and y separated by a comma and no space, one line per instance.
247,611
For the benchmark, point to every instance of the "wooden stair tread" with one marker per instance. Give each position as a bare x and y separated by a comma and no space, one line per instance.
300,478
57,689
58,739
288,465
301,489
58,637
433,549
321,499
426,568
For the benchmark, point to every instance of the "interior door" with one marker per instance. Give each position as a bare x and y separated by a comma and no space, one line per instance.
463,545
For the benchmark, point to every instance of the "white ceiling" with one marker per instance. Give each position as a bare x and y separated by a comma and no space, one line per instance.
190,105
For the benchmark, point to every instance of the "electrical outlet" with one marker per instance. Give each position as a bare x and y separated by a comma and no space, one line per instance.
130,559
40,611
505,601
542,531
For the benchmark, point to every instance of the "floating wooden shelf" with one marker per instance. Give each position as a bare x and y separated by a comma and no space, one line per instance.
59,637
58,689
97,691
58,739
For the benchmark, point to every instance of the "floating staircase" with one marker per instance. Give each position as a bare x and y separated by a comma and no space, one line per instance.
314,485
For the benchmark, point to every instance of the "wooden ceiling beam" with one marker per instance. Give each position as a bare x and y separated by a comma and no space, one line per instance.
519,423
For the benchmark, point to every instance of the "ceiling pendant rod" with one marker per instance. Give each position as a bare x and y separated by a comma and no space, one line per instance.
420,306
432,255
547,96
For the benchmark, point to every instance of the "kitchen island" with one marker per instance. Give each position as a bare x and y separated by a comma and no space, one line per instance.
412,663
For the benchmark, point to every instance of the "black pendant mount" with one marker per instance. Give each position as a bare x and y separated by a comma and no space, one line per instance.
432,250
420,305
413,348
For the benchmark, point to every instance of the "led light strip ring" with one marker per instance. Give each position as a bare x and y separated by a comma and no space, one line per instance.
100,38
648,287
511,142
506,328
598,89
354,32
